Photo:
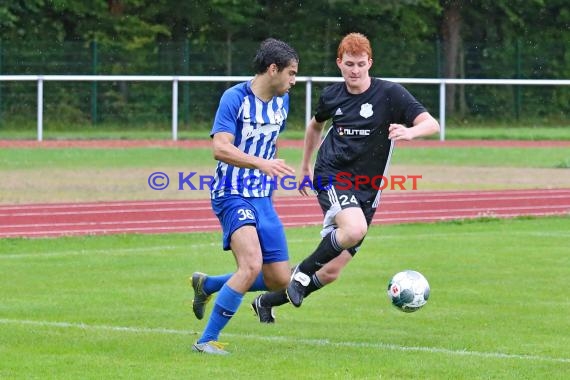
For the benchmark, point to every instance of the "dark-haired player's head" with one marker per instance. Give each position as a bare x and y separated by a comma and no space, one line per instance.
273,51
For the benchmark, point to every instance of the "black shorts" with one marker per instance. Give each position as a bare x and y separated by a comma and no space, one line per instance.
333,200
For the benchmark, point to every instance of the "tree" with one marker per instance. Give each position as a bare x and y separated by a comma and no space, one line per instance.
233,18
451,39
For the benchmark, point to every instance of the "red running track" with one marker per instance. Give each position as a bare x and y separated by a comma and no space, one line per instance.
48,220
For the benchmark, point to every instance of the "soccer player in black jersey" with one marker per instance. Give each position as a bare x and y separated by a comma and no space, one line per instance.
368,116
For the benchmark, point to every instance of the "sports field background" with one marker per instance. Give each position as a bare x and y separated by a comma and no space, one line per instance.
108,305
119,306
84,171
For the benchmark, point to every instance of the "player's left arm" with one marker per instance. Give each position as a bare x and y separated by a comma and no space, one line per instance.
424,125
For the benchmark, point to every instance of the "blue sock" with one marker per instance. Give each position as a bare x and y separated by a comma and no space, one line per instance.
215,283
258,284
227,304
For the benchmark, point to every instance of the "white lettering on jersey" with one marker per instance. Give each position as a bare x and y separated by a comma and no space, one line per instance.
352,132
357,132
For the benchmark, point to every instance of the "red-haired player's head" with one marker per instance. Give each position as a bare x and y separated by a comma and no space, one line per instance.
354,59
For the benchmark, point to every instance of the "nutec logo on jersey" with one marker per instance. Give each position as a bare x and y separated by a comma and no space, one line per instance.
352,132
366,110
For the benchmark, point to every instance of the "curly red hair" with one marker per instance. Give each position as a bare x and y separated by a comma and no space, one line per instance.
354,44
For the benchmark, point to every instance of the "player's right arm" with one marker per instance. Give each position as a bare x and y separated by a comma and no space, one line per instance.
225,150
313,133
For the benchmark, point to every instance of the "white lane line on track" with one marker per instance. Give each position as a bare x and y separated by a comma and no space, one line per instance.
114,223
482,209
447,215
214,227
103,209
288,339
92,231
431,212
469,216
507,194
307,219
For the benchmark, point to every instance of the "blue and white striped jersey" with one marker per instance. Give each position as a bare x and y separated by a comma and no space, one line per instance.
255,125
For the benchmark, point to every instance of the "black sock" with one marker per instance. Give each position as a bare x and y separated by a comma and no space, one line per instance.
314,285
276,298
279,297
327,250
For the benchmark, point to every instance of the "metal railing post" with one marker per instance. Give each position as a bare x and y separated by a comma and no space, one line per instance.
175,109
442,110
308,96
40,108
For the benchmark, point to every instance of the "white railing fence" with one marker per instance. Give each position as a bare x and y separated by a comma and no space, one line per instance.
40,79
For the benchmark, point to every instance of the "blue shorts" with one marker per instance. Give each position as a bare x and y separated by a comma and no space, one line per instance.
235,211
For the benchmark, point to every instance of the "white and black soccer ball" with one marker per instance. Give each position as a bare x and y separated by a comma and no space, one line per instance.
408,290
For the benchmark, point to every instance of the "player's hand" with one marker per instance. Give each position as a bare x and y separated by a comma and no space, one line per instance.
277,168
399,132
306,183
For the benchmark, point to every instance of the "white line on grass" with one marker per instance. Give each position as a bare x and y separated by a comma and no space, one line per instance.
285,339
194,246
106,251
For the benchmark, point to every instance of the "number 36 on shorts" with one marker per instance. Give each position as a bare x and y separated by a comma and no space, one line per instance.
245,214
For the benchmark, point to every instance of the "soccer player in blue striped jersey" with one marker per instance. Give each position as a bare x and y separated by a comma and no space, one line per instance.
248,121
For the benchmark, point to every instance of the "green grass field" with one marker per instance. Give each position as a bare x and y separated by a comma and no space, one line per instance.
77,158
454,131
119,307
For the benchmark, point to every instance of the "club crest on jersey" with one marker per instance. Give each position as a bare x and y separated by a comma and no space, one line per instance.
366,110
279,117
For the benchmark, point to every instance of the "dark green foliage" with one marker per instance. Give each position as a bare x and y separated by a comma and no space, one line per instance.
500,39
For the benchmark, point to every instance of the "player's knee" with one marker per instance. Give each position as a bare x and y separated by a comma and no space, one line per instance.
250,269
277,282
276,276
354,234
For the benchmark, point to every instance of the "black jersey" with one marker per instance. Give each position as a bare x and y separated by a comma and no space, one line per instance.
357,141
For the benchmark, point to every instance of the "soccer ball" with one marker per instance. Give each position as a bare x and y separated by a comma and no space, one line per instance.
408,291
